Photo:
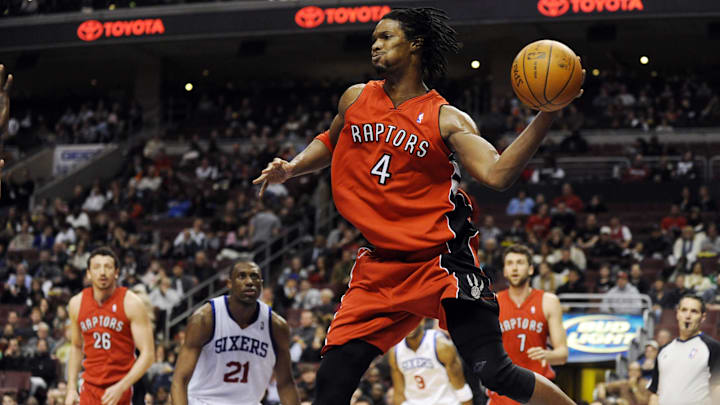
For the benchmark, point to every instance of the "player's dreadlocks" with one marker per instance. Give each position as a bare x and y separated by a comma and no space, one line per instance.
429,25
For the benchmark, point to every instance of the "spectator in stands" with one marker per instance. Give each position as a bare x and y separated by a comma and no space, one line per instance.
180,282
539,224
686,168
264,225
663,337
546,279
604,282
488,230
44,240
696,280
620,233
570,199
686,202
42,366
674,221
637,279
633,390
605,246
565,264
676,291
516,232
685,250
705,201
574,283
657,245
562,216
520,205
712,295
190,240
596,206
638,171
710,246
95,201
588,234
307,297
205,171
12,358
285,295
647,360
306,384
78,218
23,240
164,297
549,173
664,171
624,298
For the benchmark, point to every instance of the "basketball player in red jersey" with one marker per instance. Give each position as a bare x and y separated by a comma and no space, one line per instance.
107,324
527,318
4,108
392,149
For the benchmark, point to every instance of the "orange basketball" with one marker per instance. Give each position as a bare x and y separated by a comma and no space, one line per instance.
546,75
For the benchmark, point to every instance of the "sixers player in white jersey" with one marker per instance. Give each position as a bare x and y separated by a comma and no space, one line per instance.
426,370
233,345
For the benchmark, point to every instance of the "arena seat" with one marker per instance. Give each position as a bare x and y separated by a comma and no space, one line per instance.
14,381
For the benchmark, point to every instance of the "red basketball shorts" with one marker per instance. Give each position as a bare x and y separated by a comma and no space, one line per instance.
388,298
92,395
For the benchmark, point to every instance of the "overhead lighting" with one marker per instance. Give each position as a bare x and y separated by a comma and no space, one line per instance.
475,64
188,86
596,72
644,60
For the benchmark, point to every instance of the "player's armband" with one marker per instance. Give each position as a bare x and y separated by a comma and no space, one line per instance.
325,138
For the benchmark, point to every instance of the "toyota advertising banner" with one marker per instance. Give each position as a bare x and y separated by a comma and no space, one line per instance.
257,18
599,337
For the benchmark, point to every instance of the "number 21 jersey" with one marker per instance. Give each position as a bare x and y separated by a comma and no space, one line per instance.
236,364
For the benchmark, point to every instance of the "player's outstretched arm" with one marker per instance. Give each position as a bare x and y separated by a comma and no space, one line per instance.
553,313
4,99
316,155
397,379
76,345
481,159
142,333
448,356
199,331
283,366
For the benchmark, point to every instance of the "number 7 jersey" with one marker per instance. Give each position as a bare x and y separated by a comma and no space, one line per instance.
236,364
107,339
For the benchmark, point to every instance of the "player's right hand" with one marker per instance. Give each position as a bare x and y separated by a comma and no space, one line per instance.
277,171
72,397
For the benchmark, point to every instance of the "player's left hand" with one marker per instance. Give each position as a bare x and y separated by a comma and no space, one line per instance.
113,394
539,354
4,98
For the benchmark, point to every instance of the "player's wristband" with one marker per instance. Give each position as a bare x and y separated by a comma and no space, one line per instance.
464,393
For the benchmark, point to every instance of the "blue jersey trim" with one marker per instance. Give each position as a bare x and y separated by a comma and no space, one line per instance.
212,306
272,337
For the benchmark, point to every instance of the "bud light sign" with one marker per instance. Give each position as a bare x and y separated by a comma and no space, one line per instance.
593,338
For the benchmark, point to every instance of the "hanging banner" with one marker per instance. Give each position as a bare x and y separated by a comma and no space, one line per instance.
68,157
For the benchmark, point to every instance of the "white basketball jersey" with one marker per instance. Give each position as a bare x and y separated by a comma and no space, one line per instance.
236,365
426,380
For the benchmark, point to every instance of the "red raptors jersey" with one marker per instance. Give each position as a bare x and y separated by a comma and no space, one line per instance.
392,174
107,340
522,328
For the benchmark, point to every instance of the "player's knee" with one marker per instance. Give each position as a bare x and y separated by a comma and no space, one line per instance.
508,379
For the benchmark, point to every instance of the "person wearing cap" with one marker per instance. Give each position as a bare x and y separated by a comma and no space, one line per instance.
606,246
647,360
624,298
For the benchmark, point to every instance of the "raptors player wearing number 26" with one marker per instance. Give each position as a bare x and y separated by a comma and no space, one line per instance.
107,324
527,317
233,345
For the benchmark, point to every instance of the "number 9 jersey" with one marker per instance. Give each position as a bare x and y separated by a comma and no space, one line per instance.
107,339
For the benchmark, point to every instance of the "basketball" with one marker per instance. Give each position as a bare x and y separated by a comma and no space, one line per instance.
546,75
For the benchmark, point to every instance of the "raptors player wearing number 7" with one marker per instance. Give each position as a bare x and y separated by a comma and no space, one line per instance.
107,324
426,370
527,317
233,345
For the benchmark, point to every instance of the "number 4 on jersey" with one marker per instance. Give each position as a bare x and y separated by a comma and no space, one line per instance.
381,169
